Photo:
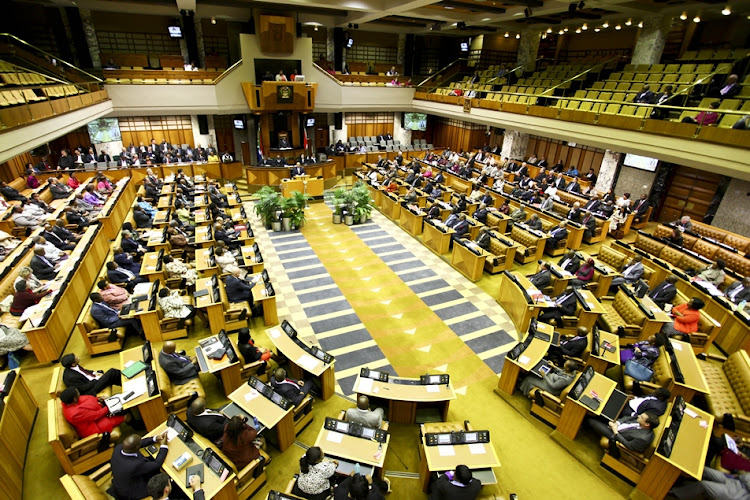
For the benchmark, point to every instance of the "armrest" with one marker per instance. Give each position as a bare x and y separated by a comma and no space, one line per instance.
303,404
247,472
716,357
342,415
290,485
177,399
169,323
254,364
468,426
84,443
101,472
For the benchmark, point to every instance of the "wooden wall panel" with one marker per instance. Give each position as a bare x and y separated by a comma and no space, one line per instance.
458,135
369,129
15,167
583,157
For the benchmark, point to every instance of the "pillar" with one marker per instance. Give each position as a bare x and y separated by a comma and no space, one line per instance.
399,132
607,171
337,135
203,139
90,33
528,48
515,144
651,40
329,46
400,54
199,41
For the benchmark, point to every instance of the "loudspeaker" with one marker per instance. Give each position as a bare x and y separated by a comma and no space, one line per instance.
338,120
203,124
299,30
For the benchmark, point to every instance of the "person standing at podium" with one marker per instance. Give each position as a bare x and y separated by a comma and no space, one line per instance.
297,170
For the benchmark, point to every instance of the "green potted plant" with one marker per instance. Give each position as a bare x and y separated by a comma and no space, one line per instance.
349,204
268,203
288,206
362,202
338,200
298,210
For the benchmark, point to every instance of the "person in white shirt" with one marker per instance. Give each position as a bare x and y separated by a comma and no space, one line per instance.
363,415
32,283
173,305
281,77
51,252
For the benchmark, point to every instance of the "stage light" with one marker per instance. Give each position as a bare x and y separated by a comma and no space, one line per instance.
507,34
518,36
640,25
213,20
605,25
561,32
578,30
628,22
683,16
697,19
549,30
618,27
726,11
584,27
597,29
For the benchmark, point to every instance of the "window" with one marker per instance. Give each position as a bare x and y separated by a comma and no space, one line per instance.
361,118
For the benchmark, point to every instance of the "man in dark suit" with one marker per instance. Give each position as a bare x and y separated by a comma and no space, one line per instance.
556,235
108,317
559,182
574,187
64,233
656,404
59,243
589,224
399,159
66,161
298,169
569,262
574,213
635,433
593,204
640,208
205,421
645,96
542,277
104,156
729,90
180,368
534,222
59,191
43,269
739,291
75,218
480,213
124,260
293,390
665,292
461,228
86,381
569,346
483,240
220,234
117,274
458,485
131,470
238,290
10,193
563,305
123,161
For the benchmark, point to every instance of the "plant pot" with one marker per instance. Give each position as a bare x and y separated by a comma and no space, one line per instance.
276,226
337,218
286,224
363,219
349,220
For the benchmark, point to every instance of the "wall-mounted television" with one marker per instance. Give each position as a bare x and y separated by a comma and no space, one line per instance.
640,162
104,130
239,123
464,46
349,42
415,121
175,31
310,122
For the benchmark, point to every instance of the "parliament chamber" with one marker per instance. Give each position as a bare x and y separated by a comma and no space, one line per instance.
440,250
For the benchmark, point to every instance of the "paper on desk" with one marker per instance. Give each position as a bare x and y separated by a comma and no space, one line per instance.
591,305
334,437
142,289
365,384
446,450
477,449
690,413
136,385
677,346
171,434
275,333
432,388
704,424
126,365
251,394
307,362
523,360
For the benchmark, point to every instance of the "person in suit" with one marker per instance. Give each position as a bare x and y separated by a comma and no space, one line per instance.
288,388
298,169
125,261
656,404
739,291
251,353
574,186
10,193
88,414
458,485
556,235
52,237
131,245
547,202
593,204
117,274
665,292
87,382
640,208
645,96
483,239
131,470
569,262
632,273
676,237
205,421
572,346
160,487
518,215
574,213
588,221
108,317
480,213
658,112
715,484
635,433
563,305
461,228
534,222
43,269
542,277
362,414
180,368
559,182
239,290
104,156
729,90
553,382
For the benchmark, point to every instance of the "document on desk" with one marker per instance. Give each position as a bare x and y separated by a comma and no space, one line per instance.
365,385
274,333
677,346
135,385
142,289
171,434
251,394
307,362
446,450
524,360
477,449
334,437
433,388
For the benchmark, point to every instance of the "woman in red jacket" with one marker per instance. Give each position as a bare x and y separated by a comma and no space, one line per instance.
238,443
87,414
686,318
24,298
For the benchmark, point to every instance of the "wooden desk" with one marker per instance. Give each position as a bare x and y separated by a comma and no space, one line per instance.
412,222
213,486
605,359
16,423
573,411
606,274
165,202
214,309
436,240
228,372
467,262
532,355
588,318
203,264
691,370
655,324
151,268
270,313
312,186
688,455
391,206
353,449
404,400
250,260
511,298
432,461
559,284
161,218
201,237
301,362
151,408
268,413
156,241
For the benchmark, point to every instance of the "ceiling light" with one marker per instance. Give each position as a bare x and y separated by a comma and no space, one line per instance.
697,19
683,16
561,32
486,19
549,30
316,28
454,24
628,22
584,27
507,34
213,20
448,7
640,25
726,11
597,29
578,30
605,25
518,35
618,27
565,29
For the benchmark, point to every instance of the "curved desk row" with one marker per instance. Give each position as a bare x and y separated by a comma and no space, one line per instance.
357,160
258,177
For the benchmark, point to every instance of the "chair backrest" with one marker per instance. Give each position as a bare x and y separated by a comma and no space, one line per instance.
66,433
737,370
162,379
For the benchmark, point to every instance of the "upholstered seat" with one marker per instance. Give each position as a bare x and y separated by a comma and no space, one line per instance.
729,389
176,396
97,339
622,311
503,252
662,375
527,244
630,464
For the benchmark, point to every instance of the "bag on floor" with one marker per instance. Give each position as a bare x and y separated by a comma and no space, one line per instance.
638,371
13,362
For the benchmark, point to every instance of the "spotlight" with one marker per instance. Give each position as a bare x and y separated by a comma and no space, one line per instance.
518,36
561,32
597,29
628,22
640,25
726,11
549,30
213,20
683,16
584,27
565,29
578,30
618,27
316,27
605,25
507,34
697,19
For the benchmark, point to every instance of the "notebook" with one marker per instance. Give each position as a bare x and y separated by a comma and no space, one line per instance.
134,369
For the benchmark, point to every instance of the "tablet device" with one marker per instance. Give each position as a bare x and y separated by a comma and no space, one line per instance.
193,470
134,369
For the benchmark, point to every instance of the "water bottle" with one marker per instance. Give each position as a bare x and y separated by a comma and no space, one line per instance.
255,421
356,468
741,305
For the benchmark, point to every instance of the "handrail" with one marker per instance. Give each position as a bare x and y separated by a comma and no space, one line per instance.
509,72
580,74
441,70
332,77
226,72
56,58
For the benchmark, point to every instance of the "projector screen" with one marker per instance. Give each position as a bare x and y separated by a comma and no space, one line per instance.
104,130
641,162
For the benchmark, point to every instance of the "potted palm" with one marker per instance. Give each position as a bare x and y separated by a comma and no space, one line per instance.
362,202
287,208
350,204
267,205
298,210
338,199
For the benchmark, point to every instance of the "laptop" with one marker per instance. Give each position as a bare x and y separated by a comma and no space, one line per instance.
640,288
614,406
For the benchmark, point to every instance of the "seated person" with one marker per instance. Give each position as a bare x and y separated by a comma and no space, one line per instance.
141,218
644,352
517,215
543,277
461,227
297,169
363,415
584,274
316,473
665,292
87,414
173,306
569,262
635,433
227,262
32,283
239,290
24,298
160,487
705,117
51,237
220,234
124,260
52,253
359,487
630,275
556,235
458,485
251,353
88,383
553,382
117,274
180,368
132,244
713,274
109,317
656,404
132,470
715,484
12,340
569,346
738,291
175,268
293,390
114,296
564,305
534,222
686,319
483,239
238,442
205,421
676,237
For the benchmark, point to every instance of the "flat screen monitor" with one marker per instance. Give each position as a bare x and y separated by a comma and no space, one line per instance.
640,162
368,433
175,31
349,43
464,47
239,124
310,122
299,78
415,121
444,439
342,427
104,130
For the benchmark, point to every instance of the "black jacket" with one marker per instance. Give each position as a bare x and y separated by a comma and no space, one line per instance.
179,370
572,266
210,426
663,293
238,290
42,270
130,474
444,489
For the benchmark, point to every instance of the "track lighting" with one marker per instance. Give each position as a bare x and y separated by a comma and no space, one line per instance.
578,30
